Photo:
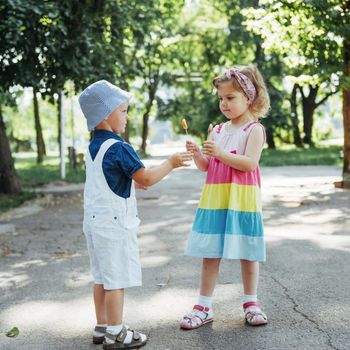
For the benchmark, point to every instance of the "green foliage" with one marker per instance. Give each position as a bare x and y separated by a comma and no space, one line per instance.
212,39
168,50
8,202
14,332
307,35
33,175
331,155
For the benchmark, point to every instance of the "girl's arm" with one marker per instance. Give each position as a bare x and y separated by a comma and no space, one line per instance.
200,160
247,162
149,177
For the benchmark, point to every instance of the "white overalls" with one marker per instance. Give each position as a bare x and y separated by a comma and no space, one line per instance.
110,227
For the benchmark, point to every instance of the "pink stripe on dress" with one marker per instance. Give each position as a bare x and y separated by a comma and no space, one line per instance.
220,173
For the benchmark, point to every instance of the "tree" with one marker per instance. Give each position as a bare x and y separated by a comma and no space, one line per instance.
313,37
78,48
9,182
346,100
154,53
22,41
291,29
213,39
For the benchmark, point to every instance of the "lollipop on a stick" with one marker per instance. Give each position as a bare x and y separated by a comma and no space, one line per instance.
184,125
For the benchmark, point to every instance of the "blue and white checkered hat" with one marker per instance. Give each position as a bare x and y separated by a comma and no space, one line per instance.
99,100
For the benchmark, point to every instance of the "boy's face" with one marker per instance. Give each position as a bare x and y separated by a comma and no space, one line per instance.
118,119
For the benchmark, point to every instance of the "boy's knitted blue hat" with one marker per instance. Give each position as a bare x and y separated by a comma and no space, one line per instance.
99,100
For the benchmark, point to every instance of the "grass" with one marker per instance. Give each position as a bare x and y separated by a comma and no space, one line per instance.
8,202
32,174
328,155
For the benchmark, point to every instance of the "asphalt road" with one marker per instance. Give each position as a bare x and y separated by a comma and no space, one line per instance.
45,284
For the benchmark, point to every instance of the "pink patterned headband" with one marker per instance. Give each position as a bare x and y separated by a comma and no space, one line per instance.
244,82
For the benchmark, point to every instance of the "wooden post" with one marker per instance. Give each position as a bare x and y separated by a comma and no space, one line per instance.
62,143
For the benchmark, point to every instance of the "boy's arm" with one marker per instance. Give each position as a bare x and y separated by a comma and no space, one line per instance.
149,177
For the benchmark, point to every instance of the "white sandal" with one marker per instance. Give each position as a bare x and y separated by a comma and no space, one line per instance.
253,314
199,316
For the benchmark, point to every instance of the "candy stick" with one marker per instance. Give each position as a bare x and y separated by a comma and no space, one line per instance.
184,125
210,129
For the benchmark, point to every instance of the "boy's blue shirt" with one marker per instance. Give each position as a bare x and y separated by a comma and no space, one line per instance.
119,163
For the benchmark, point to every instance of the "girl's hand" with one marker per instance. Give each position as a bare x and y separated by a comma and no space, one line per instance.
179,159
193,148
140,187
211,149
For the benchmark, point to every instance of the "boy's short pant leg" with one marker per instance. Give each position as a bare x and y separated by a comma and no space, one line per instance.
95,269
114,258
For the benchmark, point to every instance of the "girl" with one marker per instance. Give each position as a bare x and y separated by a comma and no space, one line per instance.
228,223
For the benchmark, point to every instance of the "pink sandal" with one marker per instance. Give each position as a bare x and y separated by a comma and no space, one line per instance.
199,316
254,315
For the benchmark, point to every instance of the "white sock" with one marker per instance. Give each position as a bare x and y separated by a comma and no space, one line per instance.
250,298
116,329
205,301
98,334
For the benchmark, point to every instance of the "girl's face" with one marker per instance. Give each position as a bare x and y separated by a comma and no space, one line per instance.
233,103
118,119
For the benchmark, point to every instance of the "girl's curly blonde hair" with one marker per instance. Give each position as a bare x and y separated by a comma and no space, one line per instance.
261,104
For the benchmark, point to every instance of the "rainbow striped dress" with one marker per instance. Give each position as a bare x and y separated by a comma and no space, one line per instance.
228,222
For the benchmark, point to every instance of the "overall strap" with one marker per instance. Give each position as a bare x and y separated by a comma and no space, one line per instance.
104,147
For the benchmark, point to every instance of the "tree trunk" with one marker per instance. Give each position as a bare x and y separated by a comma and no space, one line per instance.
41,151
309,106
126,134
346,113
152,89
269,138
9,182
145,119
125,86
295,119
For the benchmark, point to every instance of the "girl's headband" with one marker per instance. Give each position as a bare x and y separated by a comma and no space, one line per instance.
244,82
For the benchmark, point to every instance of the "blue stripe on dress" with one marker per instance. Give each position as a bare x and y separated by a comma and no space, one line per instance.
230,222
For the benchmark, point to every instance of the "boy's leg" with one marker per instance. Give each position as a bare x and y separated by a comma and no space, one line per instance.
250,276
100,307
114,301
117,333
101,317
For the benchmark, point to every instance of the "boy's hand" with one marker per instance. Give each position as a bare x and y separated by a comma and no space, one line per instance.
193,148
179,159
211,149
140,187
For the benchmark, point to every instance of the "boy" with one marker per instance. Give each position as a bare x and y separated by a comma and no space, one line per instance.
110,213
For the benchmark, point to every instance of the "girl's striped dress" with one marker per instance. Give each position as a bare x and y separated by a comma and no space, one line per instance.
228,222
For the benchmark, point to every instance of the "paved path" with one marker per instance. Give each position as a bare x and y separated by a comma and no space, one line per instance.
45,282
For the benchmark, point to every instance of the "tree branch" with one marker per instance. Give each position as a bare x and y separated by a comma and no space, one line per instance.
301,90
326,97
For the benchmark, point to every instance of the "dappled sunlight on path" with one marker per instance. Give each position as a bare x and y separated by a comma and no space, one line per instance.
45,282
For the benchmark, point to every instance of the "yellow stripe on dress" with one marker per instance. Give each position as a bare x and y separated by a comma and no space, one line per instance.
231,196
